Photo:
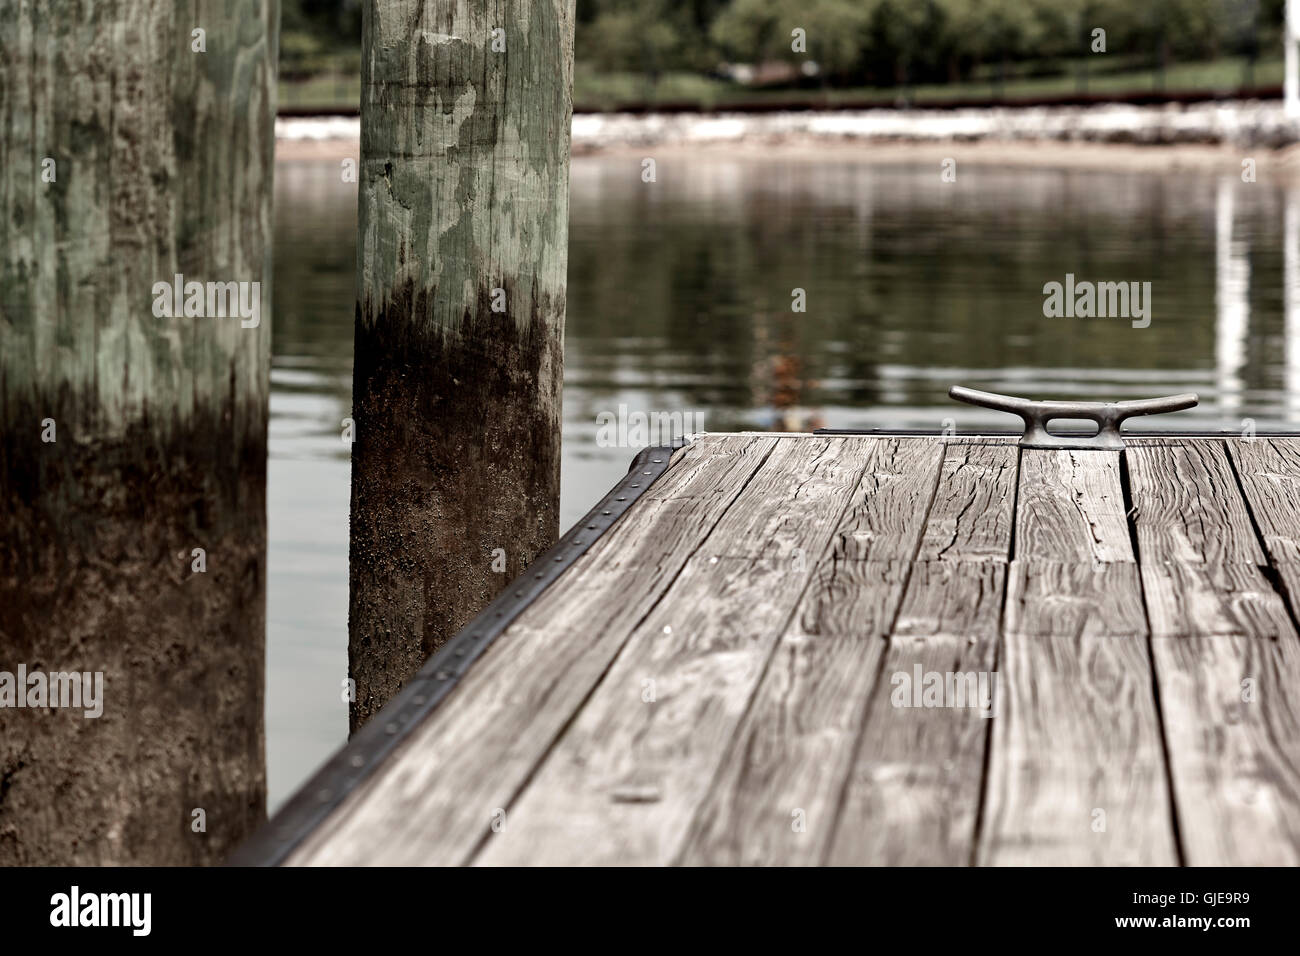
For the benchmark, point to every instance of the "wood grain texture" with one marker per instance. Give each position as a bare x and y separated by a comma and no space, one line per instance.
972,515
856,598
1200,554
1227,665
795,749
1076,771
775,798
1059,599
887,512
1071,507
1269,472
912,794
1189,508
163,164
433,801
1207,600
1232,721
959,599
623,783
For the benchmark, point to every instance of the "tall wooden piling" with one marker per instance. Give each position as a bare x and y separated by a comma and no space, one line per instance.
465,112
136,146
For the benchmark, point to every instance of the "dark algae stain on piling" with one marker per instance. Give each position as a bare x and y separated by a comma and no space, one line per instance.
97,574
133,439
449,467
463,237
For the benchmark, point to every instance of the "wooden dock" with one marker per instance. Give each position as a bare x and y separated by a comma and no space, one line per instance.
738,670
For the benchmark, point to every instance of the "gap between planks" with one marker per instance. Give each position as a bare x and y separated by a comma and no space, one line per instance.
1223,642
437,797
882,784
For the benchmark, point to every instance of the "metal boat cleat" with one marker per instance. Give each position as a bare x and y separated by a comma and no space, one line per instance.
1107,415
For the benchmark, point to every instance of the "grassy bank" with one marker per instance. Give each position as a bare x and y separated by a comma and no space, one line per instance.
596,92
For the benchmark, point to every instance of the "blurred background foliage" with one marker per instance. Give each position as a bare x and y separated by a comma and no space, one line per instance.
711,51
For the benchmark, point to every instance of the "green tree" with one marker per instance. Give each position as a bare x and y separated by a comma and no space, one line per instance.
757,30
633,36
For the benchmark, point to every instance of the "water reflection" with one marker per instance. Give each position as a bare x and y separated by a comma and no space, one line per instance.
1232,294
307,475
912,285
679,300
1291,301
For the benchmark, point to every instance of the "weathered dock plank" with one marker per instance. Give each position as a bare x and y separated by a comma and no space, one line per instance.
435,801
973,517
1071,507
953,598
1077,773
886,512
912,794
622,784
1212,600
1188,508
775,797
1232,722
727,675
1201,558
1269,471
1055,599
1076,770
1227,664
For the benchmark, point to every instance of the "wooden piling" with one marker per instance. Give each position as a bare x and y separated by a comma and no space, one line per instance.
136,145
463,236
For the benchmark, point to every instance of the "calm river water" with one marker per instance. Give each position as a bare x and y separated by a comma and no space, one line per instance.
680,300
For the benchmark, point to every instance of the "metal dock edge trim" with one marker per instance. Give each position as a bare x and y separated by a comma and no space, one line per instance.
1002,433
315,800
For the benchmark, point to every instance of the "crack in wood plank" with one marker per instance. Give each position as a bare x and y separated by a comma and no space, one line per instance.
768,591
